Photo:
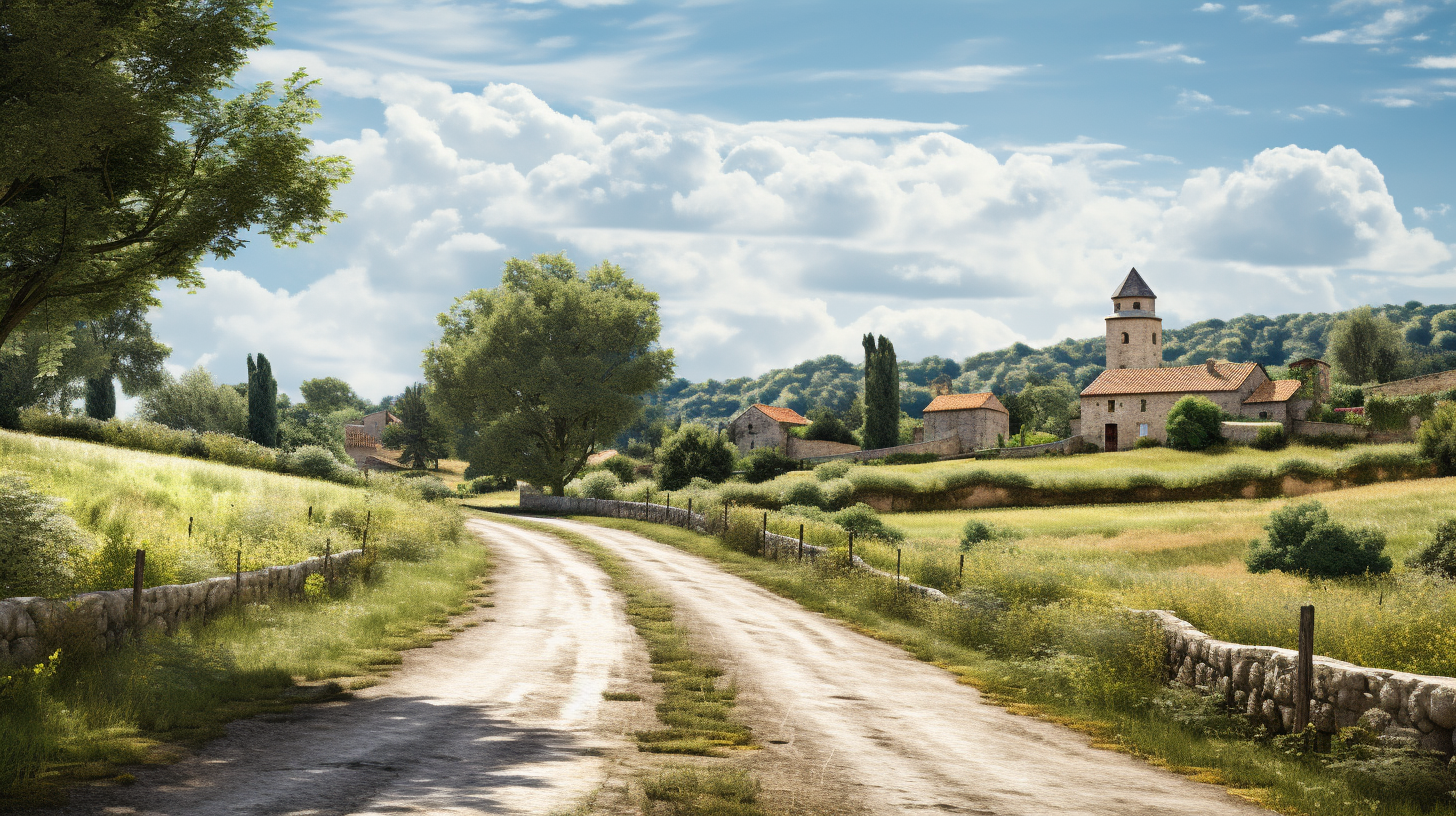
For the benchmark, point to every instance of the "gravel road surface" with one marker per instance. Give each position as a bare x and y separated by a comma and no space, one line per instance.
892,734
505,718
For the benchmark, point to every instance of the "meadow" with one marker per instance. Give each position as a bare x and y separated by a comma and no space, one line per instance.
128,500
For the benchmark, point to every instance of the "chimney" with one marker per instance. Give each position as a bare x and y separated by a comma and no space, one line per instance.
1212,366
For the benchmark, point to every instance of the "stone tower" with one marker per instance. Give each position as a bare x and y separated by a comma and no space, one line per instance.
1134,330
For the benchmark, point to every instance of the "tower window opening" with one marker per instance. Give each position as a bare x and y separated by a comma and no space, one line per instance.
1124,338
1137,304
1111,406
1155,338
1145,407
1117,306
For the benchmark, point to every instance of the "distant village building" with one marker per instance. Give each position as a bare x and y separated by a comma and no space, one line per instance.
364,439
1132,398
764,426
974,420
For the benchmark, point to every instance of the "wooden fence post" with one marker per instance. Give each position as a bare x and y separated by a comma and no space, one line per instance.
801,542
189,526
897,566
328,561
368,517
690,510
1304,668
310,512
238,578
136,593
961,573
851,548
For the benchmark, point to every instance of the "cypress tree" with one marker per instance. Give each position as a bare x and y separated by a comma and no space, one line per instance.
100,397
262,402
881,394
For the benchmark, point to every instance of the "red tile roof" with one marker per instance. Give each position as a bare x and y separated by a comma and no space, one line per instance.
1274,391
1182,379
778,414
966,402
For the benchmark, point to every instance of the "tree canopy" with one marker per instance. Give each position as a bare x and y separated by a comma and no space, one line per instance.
195,402
547,365
123,160
1366,348
325,395
422,440
881,394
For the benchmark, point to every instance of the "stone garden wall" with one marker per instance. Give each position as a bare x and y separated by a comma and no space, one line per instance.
31,628
1259,680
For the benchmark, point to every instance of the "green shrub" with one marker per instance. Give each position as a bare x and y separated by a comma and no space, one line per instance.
1303,540
601,484
766,463
485,484
908,459
988,478
804,492
694,450
1270,439
975,532
39,544
862,520
314,461
432,488
1147,442
836,469
838,493
1438,557
1194,424
1437,438
623,468
828,428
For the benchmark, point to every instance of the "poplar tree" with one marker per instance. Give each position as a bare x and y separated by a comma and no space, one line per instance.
881,394
100,397
262,402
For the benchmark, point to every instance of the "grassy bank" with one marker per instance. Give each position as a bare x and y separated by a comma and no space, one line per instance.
86,714
1080,661
130,499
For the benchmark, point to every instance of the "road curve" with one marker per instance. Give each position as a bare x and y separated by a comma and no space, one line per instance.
505,718
902,734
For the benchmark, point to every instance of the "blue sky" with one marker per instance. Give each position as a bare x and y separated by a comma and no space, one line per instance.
789,175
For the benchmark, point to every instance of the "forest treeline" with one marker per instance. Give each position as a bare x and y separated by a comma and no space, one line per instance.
834,383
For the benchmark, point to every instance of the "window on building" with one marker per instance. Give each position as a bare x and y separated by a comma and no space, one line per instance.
1117,305
1124,338
1136,305
1142,429
1144,405
1155,338
1263,415
1111,406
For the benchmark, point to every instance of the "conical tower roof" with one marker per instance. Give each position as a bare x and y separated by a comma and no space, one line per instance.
1134,286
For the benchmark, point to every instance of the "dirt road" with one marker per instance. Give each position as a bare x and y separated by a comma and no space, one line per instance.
893,734
507,717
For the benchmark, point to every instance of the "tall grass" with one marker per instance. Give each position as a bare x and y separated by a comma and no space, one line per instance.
131,499
85,713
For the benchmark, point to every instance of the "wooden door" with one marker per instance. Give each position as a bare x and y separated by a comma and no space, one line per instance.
1110,434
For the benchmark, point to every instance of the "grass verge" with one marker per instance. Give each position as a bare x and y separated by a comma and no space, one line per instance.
82,715
1089,678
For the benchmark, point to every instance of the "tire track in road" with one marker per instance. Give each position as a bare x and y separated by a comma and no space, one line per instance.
504,718
902,735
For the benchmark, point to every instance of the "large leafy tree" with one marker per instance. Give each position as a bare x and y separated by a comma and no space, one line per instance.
325,395
1367,347
124,159
548,365
196,402
881,394
422,441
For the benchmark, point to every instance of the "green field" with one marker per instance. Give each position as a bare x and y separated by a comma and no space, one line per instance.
131,499
1187,557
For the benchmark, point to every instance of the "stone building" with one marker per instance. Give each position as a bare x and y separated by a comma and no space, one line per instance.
975,420
764,426
1134,330
364,439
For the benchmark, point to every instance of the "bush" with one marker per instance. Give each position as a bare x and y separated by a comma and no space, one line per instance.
828,428
314,461
601,484
908,459
1270,439
1303,540
1437,437
804,492
694,450
1147,442
39,544
1194,424
486,484
1439,556
861,519
623,468
838,493
432,488
836,469
765,464
975,532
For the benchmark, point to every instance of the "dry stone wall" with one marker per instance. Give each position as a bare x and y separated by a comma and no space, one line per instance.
31,628
1259,680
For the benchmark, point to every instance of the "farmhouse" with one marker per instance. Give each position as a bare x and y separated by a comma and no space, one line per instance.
764,426
974,420
363,440
1131,399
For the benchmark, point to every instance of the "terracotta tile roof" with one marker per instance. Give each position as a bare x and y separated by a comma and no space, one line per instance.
1181,379
965,402
1274,391
778,414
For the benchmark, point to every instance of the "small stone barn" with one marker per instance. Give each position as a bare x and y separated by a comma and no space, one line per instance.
973,419
364,440
764,426
1125,404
